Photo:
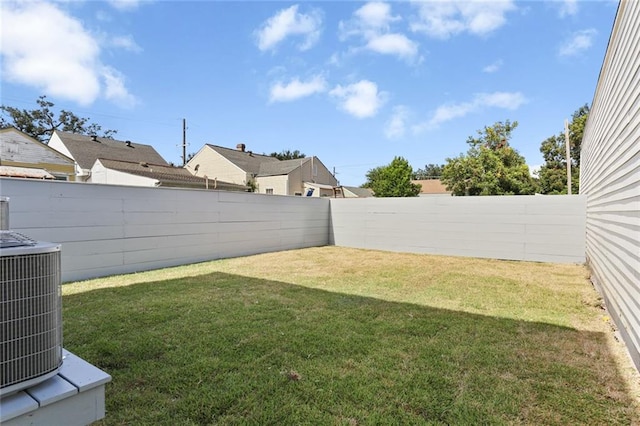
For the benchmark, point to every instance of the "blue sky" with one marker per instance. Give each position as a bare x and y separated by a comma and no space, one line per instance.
353,83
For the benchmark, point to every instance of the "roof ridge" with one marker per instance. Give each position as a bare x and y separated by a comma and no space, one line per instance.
138,162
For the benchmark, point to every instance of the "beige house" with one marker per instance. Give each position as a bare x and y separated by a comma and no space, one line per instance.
25,157
266,174
431,187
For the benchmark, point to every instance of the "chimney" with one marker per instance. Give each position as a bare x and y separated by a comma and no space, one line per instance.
240,147
128,143
94,138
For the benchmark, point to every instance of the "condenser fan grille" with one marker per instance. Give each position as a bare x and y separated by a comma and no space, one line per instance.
31,316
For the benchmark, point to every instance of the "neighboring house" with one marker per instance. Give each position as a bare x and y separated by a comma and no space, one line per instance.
431,187
117,172
356,192
26,157
266,174
86,150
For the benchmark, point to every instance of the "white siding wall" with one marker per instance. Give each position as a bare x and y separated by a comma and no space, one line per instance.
107,229
56,143
101,174
536,228
17,147
610,177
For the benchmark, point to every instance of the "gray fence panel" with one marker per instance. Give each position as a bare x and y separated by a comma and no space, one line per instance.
106,230
534,228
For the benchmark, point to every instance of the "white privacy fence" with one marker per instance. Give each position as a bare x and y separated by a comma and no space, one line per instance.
107,230
535,228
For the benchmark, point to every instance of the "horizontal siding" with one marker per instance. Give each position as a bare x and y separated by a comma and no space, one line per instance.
610,177
533,228
106,230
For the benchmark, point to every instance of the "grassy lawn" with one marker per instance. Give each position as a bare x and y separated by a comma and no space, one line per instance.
337,336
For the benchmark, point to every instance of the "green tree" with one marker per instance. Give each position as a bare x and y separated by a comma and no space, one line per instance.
490,166
287,155
40,123
553,173
430,171
392,180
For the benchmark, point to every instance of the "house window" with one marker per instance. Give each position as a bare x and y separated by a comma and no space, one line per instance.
298,194
59,176
269,191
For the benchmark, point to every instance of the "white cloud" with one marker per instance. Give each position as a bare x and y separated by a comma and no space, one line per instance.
125,5
491,68
297,89
47,49
126,42
288,22
375,15
371,24
443,19
480,101
568,8
393,44
361,99
577,43
115,89
505,100
396,127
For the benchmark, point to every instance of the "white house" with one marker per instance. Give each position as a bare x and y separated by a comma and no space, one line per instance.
23,156
85,150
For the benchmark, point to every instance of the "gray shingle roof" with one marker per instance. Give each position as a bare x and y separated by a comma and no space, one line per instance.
283,167
86,151
168,175
360,192
247,161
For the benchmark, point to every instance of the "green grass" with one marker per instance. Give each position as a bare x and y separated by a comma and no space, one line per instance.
341,336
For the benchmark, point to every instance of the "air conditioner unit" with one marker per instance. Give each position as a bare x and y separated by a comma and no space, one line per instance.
30,310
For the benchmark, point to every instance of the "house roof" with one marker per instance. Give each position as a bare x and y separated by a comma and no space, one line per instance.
25,172
86,151
283,167
432,186
359,192
168,175
245,160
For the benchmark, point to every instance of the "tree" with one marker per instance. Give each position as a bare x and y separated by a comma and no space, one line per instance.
40,123
287,155
490,166
430,171
553,173
392,180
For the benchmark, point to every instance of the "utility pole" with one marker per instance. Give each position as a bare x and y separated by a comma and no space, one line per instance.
567,144
184,142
